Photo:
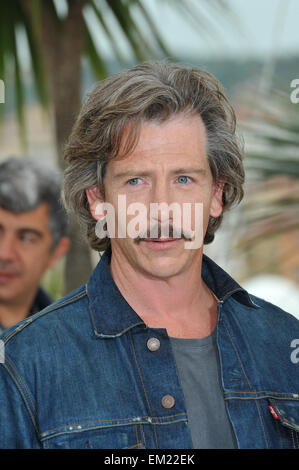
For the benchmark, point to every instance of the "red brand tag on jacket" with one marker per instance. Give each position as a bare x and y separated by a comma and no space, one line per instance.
273,412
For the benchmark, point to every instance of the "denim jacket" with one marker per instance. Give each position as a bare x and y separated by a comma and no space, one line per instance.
82,373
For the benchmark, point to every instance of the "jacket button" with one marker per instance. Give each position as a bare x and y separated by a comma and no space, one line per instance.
168,401
153,344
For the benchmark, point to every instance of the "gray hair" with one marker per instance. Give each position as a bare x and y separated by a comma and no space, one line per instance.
25,184
151,91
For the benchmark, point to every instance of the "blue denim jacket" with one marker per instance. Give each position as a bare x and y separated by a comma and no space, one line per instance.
79,374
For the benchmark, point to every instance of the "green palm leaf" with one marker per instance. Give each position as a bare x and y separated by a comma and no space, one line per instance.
131,15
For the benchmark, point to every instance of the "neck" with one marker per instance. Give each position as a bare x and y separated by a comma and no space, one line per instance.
183,304
14,311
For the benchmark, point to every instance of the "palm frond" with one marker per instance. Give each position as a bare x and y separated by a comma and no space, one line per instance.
36,59
153,28
109,33
272,136
135,37
143,34
271,132
97,64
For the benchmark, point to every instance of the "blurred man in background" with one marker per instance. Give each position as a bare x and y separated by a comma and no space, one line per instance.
33,226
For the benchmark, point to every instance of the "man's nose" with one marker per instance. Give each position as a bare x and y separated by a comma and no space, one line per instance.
7,248
162,198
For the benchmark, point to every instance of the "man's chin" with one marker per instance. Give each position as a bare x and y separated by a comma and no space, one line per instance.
157,259
162,266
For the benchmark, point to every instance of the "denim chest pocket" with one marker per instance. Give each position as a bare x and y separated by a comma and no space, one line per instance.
286,418
112,437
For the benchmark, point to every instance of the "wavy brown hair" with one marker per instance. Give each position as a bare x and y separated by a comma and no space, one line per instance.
151,91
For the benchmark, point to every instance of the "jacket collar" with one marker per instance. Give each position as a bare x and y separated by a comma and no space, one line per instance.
112,316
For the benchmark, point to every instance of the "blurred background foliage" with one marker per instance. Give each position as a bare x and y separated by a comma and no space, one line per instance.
270,212
58,35
50,56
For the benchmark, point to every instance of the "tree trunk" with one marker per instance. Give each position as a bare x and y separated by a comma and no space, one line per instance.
62,49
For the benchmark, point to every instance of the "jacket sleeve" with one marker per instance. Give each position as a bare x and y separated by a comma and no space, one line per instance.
18,428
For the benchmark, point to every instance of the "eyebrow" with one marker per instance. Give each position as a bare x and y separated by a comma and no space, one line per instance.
201,171
182,171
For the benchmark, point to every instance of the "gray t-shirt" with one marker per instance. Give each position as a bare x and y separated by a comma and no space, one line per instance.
199,372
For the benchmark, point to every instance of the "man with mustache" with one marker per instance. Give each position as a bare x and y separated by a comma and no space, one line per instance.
33,227
161,349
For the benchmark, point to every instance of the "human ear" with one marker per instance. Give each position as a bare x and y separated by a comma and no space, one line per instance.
216,203
59,251
95,200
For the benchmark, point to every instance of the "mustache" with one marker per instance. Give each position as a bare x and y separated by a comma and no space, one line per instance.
8,268
159,231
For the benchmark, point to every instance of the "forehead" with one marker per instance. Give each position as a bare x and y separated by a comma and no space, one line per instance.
36,218
178,140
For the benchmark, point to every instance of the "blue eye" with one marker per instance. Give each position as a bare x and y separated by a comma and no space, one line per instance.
133,181
183,179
